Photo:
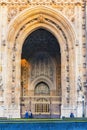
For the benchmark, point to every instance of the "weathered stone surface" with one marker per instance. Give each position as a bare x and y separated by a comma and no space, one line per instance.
66,20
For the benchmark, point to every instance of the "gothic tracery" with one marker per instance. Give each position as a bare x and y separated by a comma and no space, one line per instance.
73,11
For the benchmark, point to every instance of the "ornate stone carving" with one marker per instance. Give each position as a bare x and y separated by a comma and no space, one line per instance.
12,12
57,27
42,89
42,66
39,1
66,7
41,18
1,84
79,84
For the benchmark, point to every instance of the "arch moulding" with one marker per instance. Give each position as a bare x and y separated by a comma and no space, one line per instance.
25,23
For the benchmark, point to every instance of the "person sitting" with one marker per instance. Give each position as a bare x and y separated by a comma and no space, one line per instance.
26,114
71,115
30,114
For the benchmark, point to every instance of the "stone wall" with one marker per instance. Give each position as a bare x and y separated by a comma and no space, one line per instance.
67,21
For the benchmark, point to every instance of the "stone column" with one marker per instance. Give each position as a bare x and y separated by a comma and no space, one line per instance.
86,59
65,86
3,57
72,76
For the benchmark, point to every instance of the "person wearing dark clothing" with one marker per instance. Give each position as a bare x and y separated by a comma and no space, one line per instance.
71,115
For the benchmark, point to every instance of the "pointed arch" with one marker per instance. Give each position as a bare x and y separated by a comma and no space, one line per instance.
43,17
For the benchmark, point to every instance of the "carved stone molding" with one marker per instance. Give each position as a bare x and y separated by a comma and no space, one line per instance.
69,11
66,7
41,18
14,10
40,2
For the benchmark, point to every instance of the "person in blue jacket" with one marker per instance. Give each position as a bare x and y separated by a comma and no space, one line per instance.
71,115
26,114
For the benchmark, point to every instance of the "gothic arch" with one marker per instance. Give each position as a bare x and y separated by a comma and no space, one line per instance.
38,80
41,17
53,21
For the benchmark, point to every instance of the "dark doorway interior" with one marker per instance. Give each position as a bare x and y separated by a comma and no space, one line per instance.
41,51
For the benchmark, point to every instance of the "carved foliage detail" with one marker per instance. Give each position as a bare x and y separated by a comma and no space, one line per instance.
67,9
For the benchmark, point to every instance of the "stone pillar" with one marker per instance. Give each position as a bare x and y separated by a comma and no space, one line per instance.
72,76
80,107
86,60
14,83
65,86
3,58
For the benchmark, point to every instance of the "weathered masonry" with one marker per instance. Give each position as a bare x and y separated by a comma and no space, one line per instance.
43,58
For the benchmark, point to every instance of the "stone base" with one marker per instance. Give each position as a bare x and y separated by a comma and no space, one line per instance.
65,111
46,116
80,110
10,113
2,114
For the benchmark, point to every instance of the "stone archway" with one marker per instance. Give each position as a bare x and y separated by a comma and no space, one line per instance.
53,21
42,52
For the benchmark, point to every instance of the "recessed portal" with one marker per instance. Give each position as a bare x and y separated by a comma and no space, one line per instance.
41,75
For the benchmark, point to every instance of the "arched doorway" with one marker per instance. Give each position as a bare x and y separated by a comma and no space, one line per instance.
42,58
22,26
42,106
